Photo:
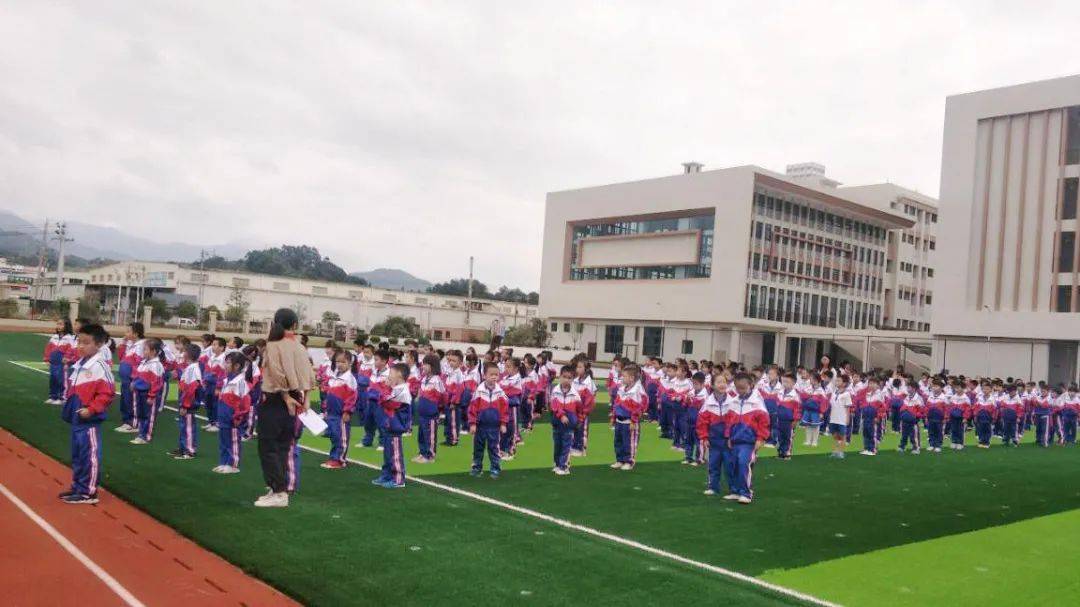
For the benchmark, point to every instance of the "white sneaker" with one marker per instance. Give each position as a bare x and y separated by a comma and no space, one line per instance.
731,496
576,453
562,471
616,466
507,457
273,500
685,462
212,429
137,441
465,431
865,452
122,428
914,451
49,401
709,492
229,470
744,500
627,467
379,448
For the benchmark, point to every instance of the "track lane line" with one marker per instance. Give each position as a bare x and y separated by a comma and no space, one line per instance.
72,549
616,539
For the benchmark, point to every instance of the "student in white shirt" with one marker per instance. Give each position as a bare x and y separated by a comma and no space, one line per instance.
839,415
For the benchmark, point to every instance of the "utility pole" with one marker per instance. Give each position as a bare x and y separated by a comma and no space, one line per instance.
468,299
43,252
61,236
202,286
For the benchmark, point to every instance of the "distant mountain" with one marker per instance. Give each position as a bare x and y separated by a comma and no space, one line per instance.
392,278
94,241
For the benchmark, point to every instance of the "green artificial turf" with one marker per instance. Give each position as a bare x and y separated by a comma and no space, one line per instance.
819,525
344,541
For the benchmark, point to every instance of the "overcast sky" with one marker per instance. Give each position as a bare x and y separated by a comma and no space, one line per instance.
411,135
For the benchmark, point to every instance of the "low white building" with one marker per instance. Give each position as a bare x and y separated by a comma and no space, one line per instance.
444,317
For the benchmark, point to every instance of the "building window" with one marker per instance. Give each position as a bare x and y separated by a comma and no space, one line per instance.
421,301
1064,298
389,297
687,346
653,342
281,286
356,294
318,290
613,339
554,327
1068,199
1066,246
566,327
241,282
701,268
1072,145
195,277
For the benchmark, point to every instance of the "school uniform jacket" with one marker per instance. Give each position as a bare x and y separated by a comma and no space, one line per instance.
470,379
874,405
341,393
90,386
454,382
586,389
489,406
190,380
1010,406
511,385
746,419
236,395
789,400
416,376
959,406
680,390
149,377
567,403
937,407
710,422
432,390
60,349
913,408
630,404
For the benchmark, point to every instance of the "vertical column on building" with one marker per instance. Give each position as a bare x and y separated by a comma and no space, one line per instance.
780,351
866,353
735,345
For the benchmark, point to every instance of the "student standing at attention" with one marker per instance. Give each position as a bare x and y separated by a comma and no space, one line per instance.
567,408
90,391
189,383
488,413
840,405
746,422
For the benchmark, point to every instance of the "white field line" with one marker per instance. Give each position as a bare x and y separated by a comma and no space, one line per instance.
73,550
617,539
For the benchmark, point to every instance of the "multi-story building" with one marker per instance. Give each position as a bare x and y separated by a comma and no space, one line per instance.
119,287
739,263
1008,252
910,254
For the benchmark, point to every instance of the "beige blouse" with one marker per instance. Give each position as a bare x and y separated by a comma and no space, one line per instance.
286,366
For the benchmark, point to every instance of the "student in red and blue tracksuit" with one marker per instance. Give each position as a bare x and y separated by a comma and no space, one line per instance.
234,400
511,385
768,387
213,378
340,396
872,413
747,426
392,419
650,375
959,412
90,391
694,448
454,382
632,401
586,389
1010,411
189,383
1042,414
470,379
130,354
59,353
983,413
712,432
788,404
680,391
378,389
567,410
430,401
937,407
147,384
911,412
488,416
1069,412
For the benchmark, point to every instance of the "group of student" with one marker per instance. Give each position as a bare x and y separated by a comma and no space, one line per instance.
715,415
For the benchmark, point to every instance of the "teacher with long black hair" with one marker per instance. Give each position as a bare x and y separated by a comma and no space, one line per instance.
287,377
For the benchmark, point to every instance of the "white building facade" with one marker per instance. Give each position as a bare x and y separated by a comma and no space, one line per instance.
1008,251
740,263
356,305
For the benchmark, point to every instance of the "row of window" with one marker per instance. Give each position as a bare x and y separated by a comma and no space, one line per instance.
774,207
702,269
813,259
766,264
911,296
926,217
915,270
578,327
797,307
926,244
1069,197
911,325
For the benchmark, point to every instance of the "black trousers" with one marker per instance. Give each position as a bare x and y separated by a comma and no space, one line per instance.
276,429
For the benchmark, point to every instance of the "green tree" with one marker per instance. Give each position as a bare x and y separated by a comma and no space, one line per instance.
61,307
330,317
187,309
236,307
8,308
286,260
532,334
460,288
159,309
396,326
533,298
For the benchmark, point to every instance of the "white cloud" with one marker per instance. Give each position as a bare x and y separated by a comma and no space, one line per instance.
416,134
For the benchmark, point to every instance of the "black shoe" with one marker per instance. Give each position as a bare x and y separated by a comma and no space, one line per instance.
66,494
175,453
77,498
